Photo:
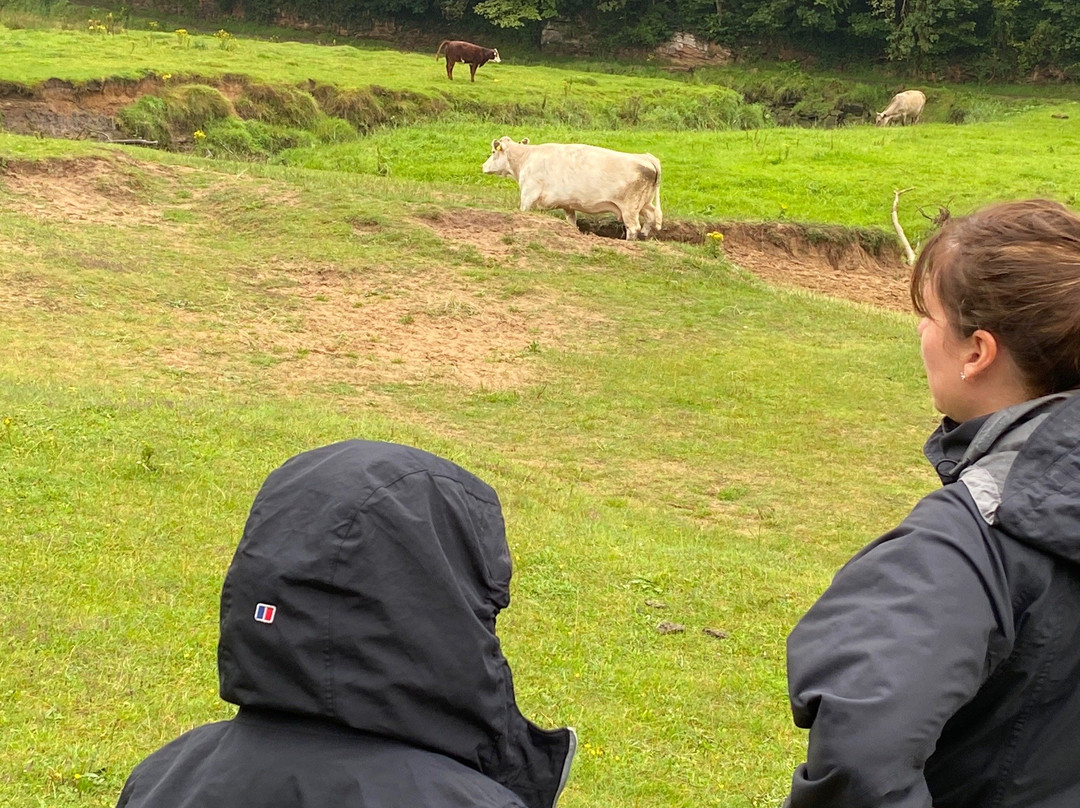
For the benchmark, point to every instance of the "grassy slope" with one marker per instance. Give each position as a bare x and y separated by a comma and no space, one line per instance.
699,439
34,55
659,455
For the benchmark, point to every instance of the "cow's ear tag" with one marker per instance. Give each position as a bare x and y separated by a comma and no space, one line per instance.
498,147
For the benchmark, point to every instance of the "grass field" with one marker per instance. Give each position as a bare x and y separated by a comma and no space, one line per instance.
661,425
839,176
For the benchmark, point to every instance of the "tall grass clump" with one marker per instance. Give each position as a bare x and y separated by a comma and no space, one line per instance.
195,106
966,108
147,118
719,108
370,107
172,118
19,14
235,139
230,138
574,113
795,98
266,120
333,130
285,106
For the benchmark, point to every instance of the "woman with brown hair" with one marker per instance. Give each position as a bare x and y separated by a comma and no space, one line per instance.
942,665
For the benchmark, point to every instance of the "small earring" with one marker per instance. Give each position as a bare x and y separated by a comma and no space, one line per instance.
963,376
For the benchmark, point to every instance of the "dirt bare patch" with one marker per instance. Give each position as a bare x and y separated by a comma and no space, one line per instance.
61,109
380,328
835,261
505,235
98,191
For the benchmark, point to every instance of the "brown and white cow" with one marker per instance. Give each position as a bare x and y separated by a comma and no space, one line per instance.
460,51
577,178
905,106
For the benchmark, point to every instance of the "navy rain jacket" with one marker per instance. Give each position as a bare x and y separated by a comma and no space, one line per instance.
358,639
942,665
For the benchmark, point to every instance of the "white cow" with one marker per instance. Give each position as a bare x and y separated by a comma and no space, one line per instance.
906,105
580,178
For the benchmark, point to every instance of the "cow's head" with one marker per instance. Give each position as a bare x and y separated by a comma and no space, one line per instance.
498,162
882,119
495,58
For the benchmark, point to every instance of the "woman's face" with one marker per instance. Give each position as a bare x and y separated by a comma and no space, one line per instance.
943,355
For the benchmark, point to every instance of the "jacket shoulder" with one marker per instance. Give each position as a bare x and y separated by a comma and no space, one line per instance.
230,763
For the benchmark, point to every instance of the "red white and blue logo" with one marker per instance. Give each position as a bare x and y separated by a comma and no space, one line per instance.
265,612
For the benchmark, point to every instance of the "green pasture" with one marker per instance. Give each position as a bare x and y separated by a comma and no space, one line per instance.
662,427
685,435
32,55
840,176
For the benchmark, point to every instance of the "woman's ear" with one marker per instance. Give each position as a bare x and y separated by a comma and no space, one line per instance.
999,381
980,352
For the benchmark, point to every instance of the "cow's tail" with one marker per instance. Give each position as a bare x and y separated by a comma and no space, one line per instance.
659,214
439,50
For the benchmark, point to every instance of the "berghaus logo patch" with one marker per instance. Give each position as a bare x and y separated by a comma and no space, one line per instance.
265,612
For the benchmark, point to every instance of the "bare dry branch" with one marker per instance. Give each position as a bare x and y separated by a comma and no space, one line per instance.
910,253
131,141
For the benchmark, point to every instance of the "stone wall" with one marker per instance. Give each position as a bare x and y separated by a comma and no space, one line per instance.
567,36
683,50
687,50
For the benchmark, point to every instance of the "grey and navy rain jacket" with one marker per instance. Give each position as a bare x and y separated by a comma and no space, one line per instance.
358,639
942,665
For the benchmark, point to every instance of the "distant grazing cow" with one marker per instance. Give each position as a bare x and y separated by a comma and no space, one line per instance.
906,106
473,55
575,177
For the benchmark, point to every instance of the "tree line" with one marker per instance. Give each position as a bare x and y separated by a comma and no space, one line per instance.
980,38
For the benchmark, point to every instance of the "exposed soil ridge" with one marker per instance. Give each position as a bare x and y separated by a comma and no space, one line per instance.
57,108
87,110
851,263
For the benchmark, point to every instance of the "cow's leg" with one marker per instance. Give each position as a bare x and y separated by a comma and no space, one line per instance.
472,71
571,216
450,69
648,220
631,220
655,214
528,198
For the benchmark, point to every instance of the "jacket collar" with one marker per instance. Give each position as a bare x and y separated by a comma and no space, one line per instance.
954,447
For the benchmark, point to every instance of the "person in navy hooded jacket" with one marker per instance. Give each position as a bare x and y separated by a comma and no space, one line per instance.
942,665
358,639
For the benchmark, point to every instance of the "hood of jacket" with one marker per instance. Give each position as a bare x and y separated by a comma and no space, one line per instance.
1022,467
365,590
